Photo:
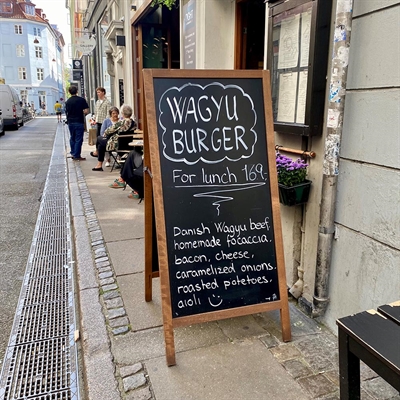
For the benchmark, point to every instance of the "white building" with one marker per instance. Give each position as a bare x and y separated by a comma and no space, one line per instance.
31,53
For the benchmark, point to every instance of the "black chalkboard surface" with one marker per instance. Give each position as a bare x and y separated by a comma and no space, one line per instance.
214,183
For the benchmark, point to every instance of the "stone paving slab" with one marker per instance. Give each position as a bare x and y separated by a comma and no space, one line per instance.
137,346
127,255
241,327
227,371
142,314
301,324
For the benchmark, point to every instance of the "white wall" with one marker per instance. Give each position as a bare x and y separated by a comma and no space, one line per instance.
365,269
215,30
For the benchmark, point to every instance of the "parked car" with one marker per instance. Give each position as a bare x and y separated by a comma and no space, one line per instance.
1,124
11,107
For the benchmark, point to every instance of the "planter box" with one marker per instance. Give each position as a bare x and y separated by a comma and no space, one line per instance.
292,195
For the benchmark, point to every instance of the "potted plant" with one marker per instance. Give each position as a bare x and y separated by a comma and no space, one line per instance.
294,188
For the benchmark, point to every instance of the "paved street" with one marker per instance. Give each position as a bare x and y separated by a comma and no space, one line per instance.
24,162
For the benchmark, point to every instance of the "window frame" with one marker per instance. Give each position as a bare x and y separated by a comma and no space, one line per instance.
20,50
18,29
40,74
6,7
22,73
39,51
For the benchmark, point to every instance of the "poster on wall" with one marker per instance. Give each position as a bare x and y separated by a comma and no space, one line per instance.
189,35
289,43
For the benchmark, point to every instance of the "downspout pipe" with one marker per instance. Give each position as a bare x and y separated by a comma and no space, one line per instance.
335,112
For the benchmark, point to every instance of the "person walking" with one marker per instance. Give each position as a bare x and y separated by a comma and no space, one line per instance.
75,109
44,111
57,109
102,108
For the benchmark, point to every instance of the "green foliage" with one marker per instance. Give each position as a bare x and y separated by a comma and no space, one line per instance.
167,3
67,78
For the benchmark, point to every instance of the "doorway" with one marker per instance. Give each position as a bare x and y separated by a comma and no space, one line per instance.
157,40
250,34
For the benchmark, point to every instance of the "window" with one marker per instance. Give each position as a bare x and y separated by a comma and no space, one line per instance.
30,10
21,73
38,52
6,7
18,29
42,98
24,96
20,50
37,32
40,74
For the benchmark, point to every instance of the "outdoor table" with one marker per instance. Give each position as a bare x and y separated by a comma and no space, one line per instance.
373,337
136,143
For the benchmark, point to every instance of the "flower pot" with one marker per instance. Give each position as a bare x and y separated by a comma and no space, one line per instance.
292,195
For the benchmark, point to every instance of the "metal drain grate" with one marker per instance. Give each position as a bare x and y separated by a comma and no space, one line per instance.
40,368
41,357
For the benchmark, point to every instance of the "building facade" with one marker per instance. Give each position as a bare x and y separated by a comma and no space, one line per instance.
31,51
342,251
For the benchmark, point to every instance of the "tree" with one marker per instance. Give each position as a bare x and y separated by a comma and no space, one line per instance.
167,3
67,78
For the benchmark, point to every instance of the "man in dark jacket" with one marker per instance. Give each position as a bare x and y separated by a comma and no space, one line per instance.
75,109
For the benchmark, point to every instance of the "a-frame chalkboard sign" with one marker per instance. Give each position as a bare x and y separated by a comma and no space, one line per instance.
211,142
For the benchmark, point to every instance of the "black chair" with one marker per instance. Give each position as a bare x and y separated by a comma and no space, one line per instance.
119,156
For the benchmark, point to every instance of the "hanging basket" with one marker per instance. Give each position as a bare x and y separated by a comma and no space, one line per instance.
292,195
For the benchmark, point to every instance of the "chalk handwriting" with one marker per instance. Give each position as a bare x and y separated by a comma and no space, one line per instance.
211,270
215,299
237,281
197,244
232,230
218,194
197,125
199,231
212,144
240,241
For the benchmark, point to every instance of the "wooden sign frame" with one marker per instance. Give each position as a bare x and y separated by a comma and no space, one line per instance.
156,193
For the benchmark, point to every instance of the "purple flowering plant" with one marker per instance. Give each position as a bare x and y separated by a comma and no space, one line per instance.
290,172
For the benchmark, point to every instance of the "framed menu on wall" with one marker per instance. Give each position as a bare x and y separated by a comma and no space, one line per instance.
298,59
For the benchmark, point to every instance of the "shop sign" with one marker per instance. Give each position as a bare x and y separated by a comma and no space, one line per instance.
85,45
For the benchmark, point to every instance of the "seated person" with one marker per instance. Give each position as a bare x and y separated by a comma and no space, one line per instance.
113,118
125,125
132,174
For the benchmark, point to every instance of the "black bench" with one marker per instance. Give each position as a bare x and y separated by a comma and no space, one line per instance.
373,337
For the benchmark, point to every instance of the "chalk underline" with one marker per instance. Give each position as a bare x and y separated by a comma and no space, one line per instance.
221,186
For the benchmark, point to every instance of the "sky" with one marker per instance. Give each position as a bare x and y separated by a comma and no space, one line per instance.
58,15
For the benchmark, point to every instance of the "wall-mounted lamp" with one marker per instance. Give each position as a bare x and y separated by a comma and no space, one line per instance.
54,60
133,7
36,41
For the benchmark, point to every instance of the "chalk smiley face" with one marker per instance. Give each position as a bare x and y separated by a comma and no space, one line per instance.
215,301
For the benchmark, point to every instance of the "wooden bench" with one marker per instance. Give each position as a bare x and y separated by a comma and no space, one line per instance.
373,337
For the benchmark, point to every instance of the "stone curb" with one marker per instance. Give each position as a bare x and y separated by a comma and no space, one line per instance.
100,371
